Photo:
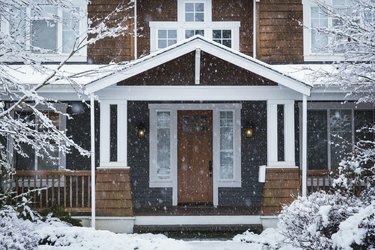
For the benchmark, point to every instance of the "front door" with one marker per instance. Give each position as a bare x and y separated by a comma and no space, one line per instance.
195,156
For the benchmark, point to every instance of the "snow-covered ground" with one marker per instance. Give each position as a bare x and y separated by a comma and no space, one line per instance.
51,233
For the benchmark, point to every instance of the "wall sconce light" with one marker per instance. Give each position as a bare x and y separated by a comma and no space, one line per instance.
249,132
141,130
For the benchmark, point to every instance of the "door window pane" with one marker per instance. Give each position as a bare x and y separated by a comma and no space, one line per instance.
226,145
163,145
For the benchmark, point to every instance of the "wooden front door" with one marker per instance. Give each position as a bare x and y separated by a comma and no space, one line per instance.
195,156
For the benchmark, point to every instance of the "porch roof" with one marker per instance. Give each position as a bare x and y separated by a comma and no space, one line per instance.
198,42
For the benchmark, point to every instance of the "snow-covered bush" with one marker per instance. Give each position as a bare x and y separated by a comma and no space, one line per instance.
15,233
321,220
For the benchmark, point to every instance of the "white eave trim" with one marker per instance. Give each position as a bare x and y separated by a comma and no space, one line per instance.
165,55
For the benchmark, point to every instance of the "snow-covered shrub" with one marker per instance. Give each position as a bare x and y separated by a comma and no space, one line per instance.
15,233
320,220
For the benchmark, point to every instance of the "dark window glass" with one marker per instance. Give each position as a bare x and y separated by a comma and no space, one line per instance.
113,133
280,133
317,144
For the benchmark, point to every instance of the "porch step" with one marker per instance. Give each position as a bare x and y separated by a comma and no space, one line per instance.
198,231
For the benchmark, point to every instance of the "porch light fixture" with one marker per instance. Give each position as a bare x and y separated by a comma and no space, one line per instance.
141,130
249,132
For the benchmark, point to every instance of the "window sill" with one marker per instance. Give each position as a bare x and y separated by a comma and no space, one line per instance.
229,183
323,58
161,184
50,58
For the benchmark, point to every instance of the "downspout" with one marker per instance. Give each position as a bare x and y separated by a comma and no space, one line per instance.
93,181
135,31
255,28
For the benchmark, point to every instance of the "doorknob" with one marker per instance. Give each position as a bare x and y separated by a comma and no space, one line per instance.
210,168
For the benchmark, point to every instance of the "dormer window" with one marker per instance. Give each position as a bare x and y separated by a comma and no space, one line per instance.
48,29
194,18
194,12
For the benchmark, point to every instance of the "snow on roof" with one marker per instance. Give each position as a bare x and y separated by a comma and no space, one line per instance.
87,74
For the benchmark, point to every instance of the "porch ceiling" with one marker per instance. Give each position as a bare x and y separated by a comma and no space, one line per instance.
190,45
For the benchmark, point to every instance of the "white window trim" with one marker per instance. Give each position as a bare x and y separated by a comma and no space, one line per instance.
80,56
181,11
208,27
289,136
328,106
308,54
216,108
122,128
60,107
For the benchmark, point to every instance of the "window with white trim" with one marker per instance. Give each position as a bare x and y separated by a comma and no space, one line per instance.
54,159
223,37
333,132
194,11
316,42
47,29
163,145
226,145
166,38
195,18
191,33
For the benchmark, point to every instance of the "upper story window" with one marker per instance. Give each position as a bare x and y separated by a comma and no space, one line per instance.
195,18
194,11
47,29
318,45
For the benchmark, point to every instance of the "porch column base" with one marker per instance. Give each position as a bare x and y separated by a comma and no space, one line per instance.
282,186
113,192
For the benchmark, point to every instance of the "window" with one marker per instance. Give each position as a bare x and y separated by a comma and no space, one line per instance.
54,159
47,29
166,38
226,145
194,18
163,145
223,37
194,12
191,33
316,42
332,134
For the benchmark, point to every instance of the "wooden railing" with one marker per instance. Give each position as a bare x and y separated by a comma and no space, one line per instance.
65,189
319,180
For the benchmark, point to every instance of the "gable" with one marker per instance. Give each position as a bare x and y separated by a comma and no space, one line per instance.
213,71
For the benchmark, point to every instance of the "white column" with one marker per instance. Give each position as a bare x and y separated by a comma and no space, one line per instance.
304,145
92,126
197,66
122,133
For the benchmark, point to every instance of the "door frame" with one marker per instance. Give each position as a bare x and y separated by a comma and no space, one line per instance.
216,108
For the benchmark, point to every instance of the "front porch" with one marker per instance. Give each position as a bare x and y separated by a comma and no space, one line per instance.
71,190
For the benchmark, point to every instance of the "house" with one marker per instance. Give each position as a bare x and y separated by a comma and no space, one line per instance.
212,122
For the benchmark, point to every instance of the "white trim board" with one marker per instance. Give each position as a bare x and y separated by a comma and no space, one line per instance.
198,220
197,93
165,55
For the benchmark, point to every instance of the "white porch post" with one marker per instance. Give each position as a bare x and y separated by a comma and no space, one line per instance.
92,126
304,145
